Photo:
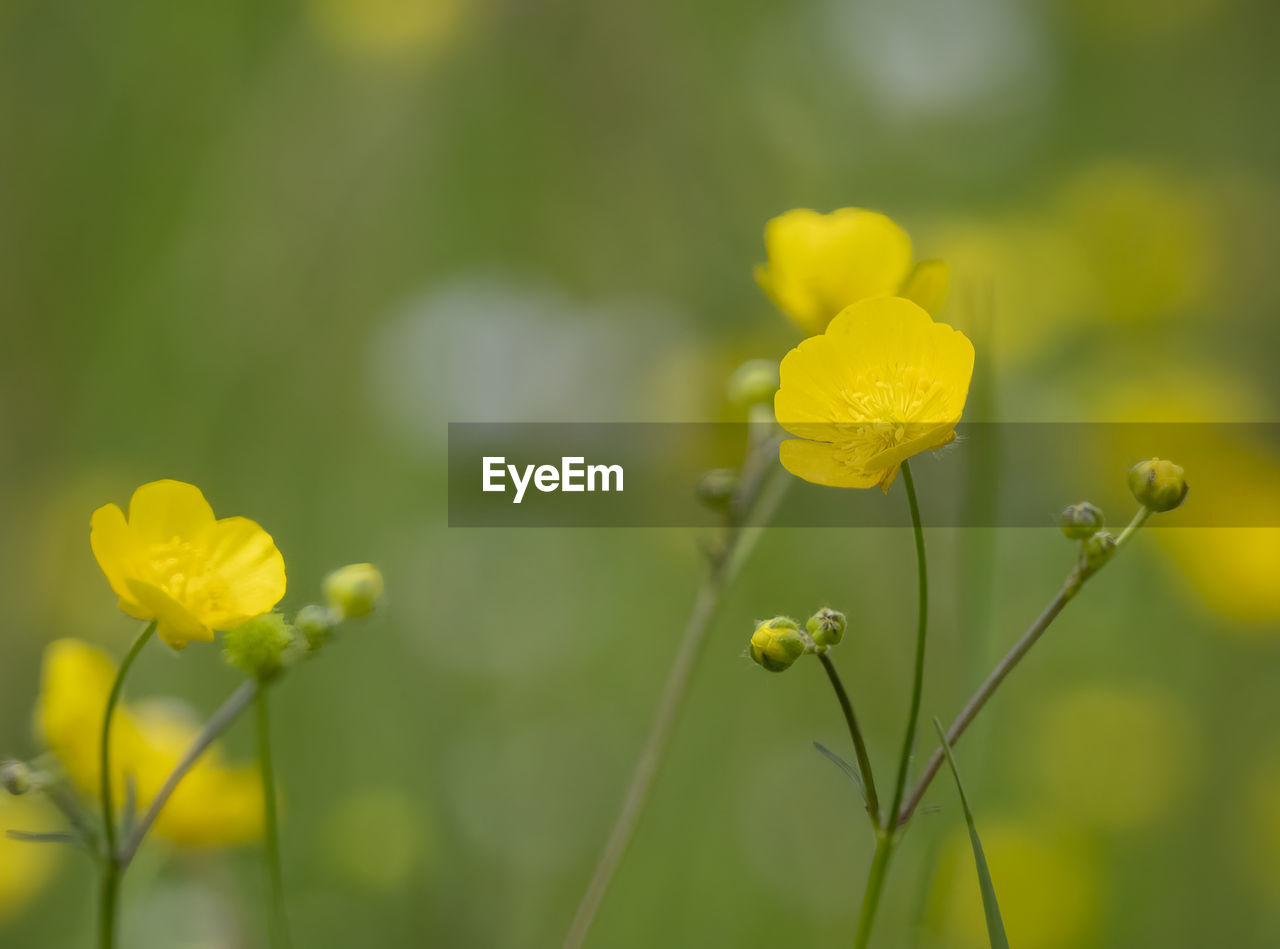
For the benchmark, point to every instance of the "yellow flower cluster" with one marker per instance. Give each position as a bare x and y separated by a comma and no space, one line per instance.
216,803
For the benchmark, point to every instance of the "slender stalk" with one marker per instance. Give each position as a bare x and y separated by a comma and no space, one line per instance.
922,630
859,746
271,830
110,858
760,495
1075,580
875,885
218,723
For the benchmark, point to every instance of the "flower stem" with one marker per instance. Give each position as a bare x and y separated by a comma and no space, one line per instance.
922,629
1075,580
859,746
761,493
110,858
875,885
271,830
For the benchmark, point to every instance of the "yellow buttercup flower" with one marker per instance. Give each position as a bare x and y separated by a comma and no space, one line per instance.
821,263
883,383
216,804
25,868
173,562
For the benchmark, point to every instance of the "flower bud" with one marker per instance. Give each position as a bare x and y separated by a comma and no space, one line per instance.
717,487
257,645
777,643
1098,549
15,777
826,627
753,382
316,623
354,590
1158,484
1080,521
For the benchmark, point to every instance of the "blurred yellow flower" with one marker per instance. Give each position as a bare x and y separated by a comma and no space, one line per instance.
883,383
25,868
171,561
1046,884
1141,740
216,804
820,263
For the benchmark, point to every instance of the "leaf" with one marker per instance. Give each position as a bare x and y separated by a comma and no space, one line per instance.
40,838
850,771
995,925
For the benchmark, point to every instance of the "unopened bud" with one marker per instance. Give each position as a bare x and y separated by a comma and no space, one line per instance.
777,643
1080,521
257,646
1098,549
826,627
316,623
354,590
1158,485
753,382
15,777
717,487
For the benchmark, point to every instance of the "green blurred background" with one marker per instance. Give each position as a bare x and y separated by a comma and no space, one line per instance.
272,248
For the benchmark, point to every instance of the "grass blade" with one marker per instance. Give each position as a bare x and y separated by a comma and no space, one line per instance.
990,908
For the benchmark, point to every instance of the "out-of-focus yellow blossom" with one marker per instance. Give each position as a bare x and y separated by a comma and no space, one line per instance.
1141,743
820,263
883,383
1147,240
173,562
1046,884
216,804
388,29
25,867
377,838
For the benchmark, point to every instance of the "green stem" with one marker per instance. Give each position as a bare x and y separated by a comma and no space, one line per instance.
875,885
859,746
1138,520
922,628
110,857
271,829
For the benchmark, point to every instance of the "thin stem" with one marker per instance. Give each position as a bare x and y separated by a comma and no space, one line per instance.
218,723
761,494
1075,580
110,858
859,746
271,829
922,629
875,885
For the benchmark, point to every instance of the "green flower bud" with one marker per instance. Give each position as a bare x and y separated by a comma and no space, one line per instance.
354,590
1098,549
316,623
257,645
15,777
1158,484
826,627
753,382
717,488
777,643
1080,521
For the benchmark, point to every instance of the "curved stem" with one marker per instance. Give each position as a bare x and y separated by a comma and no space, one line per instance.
922,629
271,828
859,746
760,496
110,858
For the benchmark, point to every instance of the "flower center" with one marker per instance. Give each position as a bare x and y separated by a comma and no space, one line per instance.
181,569
883,413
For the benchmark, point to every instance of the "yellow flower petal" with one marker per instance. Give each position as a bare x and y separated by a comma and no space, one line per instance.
174,624
246,558
114,549
818,463
162,510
